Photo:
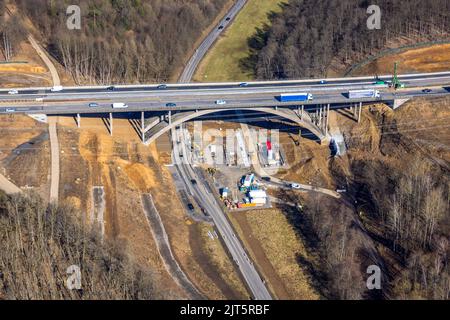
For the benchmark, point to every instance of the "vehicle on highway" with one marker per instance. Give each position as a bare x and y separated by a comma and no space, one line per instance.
93,105
111,88
323,82
286,97
162,86
119,105
295,186
426,90
56,88
13,91
370,93
243,84
170,104
221,101
228,18
39,99
9,110
265,178
220,28
193,181
190,206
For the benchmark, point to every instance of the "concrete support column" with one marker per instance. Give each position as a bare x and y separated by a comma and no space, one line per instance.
170,117
143,126
326,124
110,124
359,112
303,109
78,120
320,116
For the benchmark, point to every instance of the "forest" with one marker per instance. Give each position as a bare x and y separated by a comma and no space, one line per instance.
120,41
307,35
40,242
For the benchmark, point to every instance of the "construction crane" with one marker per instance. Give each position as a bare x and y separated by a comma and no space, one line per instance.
395,81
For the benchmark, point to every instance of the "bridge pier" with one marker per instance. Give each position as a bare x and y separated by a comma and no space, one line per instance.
110,124
147,124
78,120
359,112
326,123
394,104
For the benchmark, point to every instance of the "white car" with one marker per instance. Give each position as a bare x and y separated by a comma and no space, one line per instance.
13,91
295,186
221,102
119,105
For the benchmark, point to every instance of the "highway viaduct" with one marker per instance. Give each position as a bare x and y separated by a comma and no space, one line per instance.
162,108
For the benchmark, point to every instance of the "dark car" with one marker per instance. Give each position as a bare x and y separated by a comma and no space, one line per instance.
243,84
170,104
190,206
265,178
93,105
162,86
193,181
228,18
111,88
426,90
221,27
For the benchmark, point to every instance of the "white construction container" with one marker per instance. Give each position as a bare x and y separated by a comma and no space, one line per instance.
261,201
257,194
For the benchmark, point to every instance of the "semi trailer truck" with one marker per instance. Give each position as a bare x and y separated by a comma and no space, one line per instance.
371,93
287,97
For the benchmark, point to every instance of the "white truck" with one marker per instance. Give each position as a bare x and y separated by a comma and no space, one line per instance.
119,105
56,88
370,93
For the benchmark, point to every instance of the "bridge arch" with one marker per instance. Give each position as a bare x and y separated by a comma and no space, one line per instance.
179,118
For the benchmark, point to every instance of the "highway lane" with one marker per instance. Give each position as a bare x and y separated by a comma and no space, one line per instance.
167,96
186,102
201,51
210,205
408,79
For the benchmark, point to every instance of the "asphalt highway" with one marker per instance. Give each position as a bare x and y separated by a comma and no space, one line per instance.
193,63
184,100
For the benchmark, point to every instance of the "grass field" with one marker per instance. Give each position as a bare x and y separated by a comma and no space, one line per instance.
223,62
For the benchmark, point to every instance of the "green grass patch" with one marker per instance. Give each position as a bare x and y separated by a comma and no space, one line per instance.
230,59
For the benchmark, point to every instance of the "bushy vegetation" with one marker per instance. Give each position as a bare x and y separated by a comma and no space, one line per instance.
11,33
401,193
39,243
308,34
120,40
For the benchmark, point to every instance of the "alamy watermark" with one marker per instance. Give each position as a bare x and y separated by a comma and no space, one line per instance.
73,282
374,280
73,21
231,147
374,20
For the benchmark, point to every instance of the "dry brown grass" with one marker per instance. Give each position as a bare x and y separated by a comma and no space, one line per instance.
429,59
126,168
284,250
